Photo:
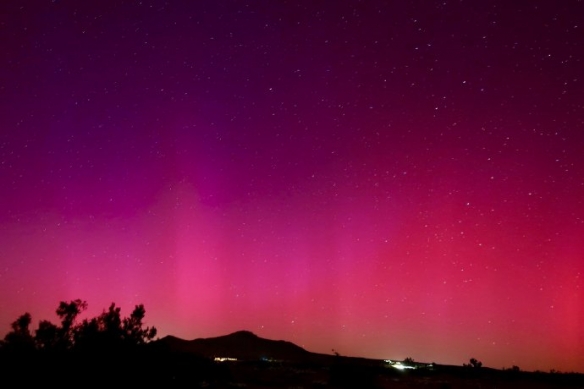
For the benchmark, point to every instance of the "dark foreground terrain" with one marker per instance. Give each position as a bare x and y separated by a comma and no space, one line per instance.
253,363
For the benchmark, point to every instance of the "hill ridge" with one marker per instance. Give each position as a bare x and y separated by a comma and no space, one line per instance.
242,344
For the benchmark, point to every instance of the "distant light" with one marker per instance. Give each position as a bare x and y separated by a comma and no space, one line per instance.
401,366
224,359
398,365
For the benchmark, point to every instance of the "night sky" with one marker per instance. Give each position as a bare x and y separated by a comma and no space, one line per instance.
387,179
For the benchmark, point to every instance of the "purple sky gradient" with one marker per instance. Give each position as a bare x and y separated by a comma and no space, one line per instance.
386,179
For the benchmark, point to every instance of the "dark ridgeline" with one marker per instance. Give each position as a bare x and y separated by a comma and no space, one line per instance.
241,345
113,351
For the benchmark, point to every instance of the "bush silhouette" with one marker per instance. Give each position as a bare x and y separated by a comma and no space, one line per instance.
110,330
47,336
106,350
106,331
20,338
474,363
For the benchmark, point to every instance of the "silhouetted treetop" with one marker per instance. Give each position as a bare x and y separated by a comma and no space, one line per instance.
132,327
20,338
106,331
47,336
474,363
67,312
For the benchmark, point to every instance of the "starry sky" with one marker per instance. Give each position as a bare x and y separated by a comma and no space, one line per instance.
387,179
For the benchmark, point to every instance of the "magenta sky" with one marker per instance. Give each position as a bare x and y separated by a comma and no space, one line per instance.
379,178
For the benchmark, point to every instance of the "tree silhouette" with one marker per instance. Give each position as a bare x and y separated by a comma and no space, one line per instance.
47,336
20,337
132,327
108,331
474,363
100,332
68,312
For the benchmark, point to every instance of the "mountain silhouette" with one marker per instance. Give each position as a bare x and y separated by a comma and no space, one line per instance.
243,345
